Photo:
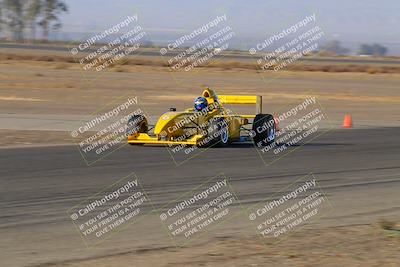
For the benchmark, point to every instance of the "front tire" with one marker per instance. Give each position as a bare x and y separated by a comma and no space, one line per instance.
217,133
136,124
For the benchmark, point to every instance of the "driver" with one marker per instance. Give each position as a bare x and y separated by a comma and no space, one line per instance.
200,103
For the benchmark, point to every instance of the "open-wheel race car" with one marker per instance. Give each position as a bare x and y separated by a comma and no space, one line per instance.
208,123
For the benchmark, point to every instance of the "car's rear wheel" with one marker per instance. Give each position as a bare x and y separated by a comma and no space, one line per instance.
263,130
217,133
137,124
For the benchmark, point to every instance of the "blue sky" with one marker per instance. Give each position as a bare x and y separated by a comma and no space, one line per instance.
352,21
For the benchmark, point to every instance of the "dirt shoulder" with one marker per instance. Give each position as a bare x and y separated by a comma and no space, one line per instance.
366,245
24,138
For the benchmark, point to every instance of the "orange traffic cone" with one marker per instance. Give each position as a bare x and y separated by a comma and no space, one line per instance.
276,123
348,122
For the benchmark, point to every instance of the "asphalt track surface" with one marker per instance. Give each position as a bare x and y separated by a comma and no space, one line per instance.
226,56
359,169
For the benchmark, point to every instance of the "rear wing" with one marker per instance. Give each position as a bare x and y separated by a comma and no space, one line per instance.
242,100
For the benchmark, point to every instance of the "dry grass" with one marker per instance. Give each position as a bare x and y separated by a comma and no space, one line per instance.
224,65
387,224
61,66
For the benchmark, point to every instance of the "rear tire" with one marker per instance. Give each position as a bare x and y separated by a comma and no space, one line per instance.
263,130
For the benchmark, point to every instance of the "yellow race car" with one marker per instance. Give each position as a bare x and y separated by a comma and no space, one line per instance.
207,124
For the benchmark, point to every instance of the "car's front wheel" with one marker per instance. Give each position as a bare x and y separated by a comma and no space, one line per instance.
217,133
137,124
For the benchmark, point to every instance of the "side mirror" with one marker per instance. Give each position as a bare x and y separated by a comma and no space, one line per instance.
172,109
